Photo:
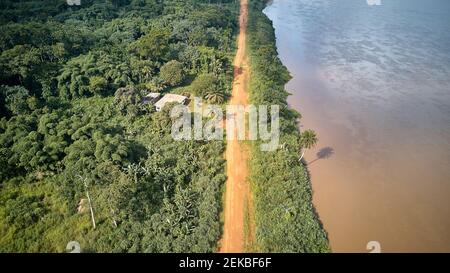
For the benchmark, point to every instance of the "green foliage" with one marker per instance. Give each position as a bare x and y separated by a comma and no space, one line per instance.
128,100
15,99
90,74
205,84
23,211
216,97
72,81
110,148
21,60
284,215
98,85
308,139
172,73
154,45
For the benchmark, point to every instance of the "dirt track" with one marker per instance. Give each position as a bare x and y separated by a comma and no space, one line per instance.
237,187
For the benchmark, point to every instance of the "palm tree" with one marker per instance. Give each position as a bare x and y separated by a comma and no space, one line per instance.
308,140
215,97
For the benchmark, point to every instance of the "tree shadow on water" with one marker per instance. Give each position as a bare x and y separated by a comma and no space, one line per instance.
323,153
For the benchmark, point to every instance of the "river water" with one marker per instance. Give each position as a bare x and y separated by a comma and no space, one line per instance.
374,82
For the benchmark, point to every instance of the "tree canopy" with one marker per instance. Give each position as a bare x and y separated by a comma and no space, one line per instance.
72,83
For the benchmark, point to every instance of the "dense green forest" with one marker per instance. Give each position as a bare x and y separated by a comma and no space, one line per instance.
72,80
284,215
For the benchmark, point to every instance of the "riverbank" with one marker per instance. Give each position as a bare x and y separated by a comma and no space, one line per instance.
284,215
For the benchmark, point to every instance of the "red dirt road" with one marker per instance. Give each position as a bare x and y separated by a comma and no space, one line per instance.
237,187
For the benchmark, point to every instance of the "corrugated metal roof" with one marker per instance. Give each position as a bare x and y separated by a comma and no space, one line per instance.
168,98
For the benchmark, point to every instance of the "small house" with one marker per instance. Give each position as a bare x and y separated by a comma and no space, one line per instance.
168,98
151,98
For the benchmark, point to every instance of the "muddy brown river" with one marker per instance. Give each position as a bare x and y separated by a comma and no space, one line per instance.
374,82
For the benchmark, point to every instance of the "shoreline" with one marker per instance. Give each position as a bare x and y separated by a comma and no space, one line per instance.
298,121
297,217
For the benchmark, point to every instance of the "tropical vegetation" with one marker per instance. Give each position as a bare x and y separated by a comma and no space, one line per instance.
72,81
285,218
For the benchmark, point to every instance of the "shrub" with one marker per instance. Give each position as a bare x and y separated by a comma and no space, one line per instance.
172,73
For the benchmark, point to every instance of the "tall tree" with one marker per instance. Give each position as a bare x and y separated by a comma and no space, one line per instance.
308,140
172,73
215,96
153,46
